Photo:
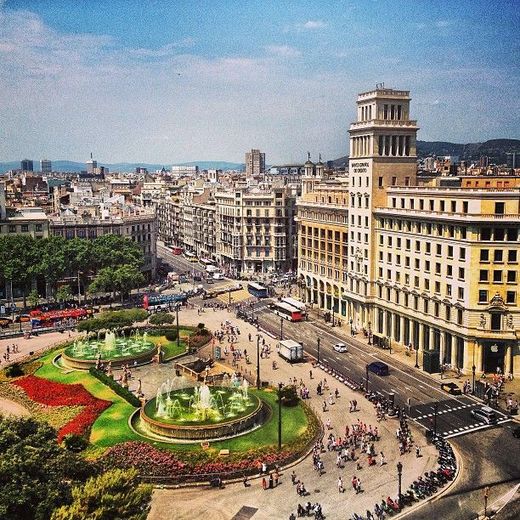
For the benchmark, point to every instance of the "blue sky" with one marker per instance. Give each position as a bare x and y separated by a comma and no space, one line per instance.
172,81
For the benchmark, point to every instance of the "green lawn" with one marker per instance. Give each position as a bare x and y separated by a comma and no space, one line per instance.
111,427
170,348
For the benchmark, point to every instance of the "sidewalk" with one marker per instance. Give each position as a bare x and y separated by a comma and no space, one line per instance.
377,482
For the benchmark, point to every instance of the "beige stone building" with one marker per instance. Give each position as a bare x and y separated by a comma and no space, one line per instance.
431,267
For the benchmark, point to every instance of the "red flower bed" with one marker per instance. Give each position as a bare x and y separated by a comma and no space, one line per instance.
51,393
150,461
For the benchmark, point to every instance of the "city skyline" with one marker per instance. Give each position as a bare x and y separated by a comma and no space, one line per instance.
212,80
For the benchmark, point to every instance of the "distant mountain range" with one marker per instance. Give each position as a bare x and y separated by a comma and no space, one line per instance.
71,166
495,149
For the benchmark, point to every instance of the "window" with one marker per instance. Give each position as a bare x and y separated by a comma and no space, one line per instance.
380,182
438,250
442,205
437,268
464,206
485,234
448,313
511,276
425,306
450,251
427,266
417,263
462,253
497,276
394,181
449,270
512,235
484,275
408,242
427,284
39,227
417,246
498,255
12,228
25,228
448,289
499,208
511,256
499,234
460,293
510,296
453,206
484,255
436,309
462,273
438,287
496,321
459,316
428,247
482,296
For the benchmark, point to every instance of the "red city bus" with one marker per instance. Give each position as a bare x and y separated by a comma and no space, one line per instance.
286,311
177,250
50,318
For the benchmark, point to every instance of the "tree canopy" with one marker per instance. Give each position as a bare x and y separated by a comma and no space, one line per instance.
114,495
23,257
36,474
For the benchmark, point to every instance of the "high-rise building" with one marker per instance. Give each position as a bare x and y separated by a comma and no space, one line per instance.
91,165
255,163
27,165
45,166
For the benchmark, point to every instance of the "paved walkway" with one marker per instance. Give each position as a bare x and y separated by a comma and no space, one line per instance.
237,502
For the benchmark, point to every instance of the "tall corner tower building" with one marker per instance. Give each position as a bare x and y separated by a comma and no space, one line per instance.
382,154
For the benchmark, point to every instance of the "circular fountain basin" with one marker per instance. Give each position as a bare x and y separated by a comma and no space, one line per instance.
230,416
122,351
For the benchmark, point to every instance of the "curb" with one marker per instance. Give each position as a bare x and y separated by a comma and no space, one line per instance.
439,493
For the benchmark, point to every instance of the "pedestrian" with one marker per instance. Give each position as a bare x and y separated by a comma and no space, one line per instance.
328,425
276,477
293,477
271,481
382,459
324,406
310,374
331,399
264,483
336,393
341,489
417,451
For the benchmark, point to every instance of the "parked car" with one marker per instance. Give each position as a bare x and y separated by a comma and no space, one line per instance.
451,388
340,347
485,414
379,368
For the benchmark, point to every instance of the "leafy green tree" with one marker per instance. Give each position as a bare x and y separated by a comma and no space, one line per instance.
127,277
114,251
18,260
160,318
114,495
63,294
36,474
53,263
104,281
34,298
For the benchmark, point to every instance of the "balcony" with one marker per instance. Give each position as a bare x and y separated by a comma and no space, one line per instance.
385,123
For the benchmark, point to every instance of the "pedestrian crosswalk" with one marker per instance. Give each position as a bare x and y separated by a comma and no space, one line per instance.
452,418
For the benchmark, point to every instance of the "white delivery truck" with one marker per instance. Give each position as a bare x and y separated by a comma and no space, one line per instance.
290,350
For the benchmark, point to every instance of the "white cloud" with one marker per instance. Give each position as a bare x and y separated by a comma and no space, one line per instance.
314,24
285,51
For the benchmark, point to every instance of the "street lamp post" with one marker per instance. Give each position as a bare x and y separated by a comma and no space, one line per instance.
258,361
435,410
319,341
281,328
473,368
350,322
370,333
280,386
366,380
416,356
333,310
389,340
177,321
79,289
399,477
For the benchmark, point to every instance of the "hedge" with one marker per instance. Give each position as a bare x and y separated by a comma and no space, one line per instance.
115,386
112,320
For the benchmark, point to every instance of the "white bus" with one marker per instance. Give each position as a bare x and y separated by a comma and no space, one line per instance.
296,303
